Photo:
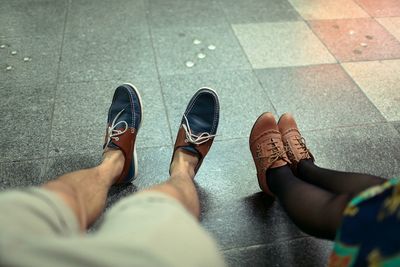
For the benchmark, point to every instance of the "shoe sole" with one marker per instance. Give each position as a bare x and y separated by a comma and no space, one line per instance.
263,185
134,154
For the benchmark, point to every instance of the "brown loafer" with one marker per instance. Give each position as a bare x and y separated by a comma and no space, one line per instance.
294,143
199,125
267,148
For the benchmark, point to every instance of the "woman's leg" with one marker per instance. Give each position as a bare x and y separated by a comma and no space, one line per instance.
315,211
302,161
336,181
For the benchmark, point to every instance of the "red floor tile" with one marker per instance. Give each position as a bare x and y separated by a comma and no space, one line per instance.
381,8
356,39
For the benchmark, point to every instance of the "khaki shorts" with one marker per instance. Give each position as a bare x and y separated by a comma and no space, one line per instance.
150,229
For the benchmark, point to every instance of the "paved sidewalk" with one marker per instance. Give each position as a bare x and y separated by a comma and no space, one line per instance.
335,64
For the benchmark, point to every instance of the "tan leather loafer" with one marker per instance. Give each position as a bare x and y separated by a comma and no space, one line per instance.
267,148
294,143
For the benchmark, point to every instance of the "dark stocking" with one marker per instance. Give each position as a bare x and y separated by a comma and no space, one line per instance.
314,210
336,181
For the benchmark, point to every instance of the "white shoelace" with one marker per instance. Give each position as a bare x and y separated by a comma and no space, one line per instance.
192,138
113,133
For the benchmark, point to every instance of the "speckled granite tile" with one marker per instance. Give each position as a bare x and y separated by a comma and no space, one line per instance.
320,97
237,90
328,9
356,39
379,80
270,45
80,116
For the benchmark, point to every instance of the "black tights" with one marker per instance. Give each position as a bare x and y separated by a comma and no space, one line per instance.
316,199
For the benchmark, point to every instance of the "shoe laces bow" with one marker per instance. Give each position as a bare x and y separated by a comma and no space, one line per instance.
112,132
193,138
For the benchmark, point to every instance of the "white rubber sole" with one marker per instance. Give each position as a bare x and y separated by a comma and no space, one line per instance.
208,88
134,154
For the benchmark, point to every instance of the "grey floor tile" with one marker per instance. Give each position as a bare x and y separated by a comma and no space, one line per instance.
259,11
228,177
21,174
373,149
328,9
250,221
25,119
232,207
396,125
32,18
41,68
175,46
322,96
192,13
86,17
153,166
102,55
379,80
80,116
58,166
242,99
299,252
281,44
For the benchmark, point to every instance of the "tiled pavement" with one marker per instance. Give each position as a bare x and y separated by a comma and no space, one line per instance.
334,64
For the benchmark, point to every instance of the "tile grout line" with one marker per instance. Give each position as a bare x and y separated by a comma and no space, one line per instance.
148,12
307,22
389,123
245,54
309,27
362,8
272,244
69,154
362,91
68,2
385,28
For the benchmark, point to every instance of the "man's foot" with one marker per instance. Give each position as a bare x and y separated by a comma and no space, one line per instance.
198,126
267,149
294,143
123,123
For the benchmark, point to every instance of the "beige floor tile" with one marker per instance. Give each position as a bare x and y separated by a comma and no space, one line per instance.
380,80
270,45
328,9
392,25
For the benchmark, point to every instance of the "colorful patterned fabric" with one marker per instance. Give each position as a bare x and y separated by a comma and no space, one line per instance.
370,231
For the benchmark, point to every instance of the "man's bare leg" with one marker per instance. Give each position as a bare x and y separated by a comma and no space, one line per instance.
85,191
180,184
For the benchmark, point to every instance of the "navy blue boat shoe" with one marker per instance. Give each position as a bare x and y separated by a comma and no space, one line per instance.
199,124
123,123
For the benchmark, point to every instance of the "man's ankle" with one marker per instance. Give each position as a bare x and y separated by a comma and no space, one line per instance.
184,163
112,164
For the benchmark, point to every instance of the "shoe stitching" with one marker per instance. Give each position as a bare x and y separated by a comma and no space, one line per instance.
265,134
132,107
276,152
299,144
190,107
193,138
